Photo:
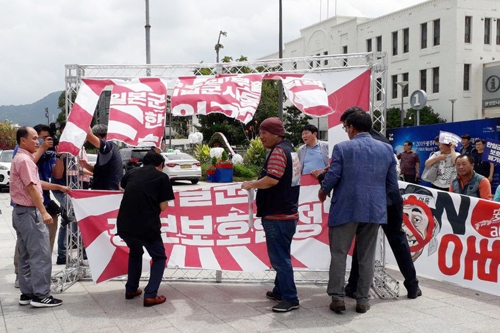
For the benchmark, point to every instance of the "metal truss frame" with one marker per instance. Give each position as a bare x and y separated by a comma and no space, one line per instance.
384,285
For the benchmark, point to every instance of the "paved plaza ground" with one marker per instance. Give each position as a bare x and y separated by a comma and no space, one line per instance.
230,307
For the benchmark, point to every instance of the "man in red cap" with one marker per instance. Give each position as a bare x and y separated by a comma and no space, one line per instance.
277,202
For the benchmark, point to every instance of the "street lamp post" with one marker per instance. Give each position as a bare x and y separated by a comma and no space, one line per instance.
402,84
219,46
280,54
148,40
452,100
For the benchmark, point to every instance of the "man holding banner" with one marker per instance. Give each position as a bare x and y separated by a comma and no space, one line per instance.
277,206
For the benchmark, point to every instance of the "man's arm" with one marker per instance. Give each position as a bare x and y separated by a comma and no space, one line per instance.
163,205
36,197
53,187
93,139
58,169
86,166
263,183
485,189
492,169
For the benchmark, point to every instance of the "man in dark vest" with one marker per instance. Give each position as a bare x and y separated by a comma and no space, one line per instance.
277,202
468,182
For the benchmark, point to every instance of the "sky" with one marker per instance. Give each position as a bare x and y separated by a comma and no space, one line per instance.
39,37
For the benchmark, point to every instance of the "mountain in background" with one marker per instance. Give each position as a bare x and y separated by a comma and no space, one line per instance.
31,114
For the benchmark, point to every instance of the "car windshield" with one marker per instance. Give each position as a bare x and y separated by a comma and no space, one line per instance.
179,156
6,156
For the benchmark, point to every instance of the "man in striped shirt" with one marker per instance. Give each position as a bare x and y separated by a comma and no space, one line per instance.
277,202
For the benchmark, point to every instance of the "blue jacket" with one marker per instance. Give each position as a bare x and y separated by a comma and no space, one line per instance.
362,174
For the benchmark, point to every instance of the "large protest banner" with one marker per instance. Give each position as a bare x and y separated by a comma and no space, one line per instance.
452,237
206,228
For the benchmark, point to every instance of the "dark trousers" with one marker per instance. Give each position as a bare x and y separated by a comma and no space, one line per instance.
410,178
279,236
399,245
157,252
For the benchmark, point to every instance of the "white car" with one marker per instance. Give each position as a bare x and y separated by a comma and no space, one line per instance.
5,162
182,166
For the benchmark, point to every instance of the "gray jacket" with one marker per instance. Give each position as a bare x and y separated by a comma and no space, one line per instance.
323,145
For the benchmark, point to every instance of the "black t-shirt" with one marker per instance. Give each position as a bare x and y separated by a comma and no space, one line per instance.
108,169
139,215
480,166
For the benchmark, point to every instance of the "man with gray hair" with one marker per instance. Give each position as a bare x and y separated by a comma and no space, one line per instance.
108,169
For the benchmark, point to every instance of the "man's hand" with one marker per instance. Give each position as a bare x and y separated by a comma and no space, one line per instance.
47,219
47,143
490,179
316,173
441,157
321,195
64,189
246,185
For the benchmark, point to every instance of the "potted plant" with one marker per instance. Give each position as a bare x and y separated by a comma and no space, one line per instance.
211,171
224,169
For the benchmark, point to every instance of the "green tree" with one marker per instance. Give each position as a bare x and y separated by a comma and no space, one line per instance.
7,136
294,120
427,116
180,125
61,105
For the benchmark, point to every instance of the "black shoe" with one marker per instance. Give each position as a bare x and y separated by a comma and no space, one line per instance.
46,302
273,296
350,292
337,306
285,306
362,308
25,299
414,294
61,261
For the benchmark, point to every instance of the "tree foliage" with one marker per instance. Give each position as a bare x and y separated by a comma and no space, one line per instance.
294,120
7,136
427,117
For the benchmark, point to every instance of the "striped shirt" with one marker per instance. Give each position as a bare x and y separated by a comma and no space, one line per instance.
23,172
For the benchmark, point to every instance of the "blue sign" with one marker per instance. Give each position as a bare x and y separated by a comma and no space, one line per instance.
424,144
492,151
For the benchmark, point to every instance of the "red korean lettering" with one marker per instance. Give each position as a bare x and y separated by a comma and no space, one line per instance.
485,271
446,241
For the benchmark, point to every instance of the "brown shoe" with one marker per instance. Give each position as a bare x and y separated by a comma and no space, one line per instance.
362,308
337,306
132,294
154,301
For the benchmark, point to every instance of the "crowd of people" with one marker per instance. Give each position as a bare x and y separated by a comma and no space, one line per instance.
38,169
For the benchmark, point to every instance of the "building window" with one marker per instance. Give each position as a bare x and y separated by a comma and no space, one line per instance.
406,40
379,89
295,65
311,64
318,62
435,80
379,44
344,50
394,86
487,31
466,77
325,62
395,43
406,77
423,79
423,35
369,45
498,31
437,32
468,27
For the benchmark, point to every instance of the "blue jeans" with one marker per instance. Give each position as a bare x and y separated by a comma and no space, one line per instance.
157,252
279,234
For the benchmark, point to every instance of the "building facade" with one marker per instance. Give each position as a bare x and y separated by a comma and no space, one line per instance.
439,46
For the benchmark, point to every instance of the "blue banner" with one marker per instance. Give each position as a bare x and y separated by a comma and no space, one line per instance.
424,144
492,151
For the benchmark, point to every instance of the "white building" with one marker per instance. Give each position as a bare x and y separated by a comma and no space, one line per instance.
439,46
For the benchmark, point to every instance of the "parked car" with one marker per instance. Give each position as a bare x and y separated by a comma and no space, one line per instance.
182,166
132,157
91,159
5,162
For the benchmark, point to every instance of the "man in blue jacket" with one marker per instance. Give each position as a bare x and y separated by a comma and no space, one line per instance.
363,176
